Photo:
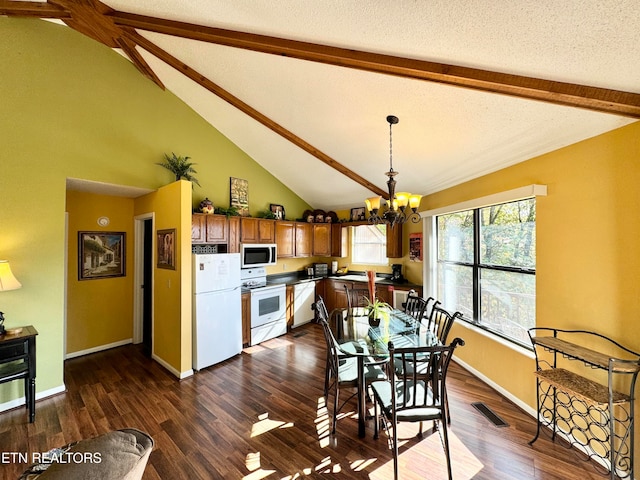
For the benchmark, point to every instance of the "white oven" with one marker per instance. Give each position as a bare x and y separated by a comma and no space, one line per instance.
268,313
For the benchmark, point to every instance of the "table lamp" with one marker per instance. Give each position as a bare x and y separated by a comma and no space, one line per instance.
7,282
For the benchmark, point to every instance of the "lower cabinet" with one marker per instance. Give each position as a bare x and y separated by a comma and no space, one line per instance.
246,318
290,306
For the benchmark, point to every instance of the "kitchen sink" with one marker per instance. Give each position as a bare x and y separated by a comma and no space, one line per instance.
355,278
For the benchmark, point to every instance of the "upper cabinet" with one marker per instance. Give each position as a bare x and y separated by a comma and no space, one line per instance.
286,239
234,235
321,239
206,228
394,241
294,239
304,239
257,230
338,241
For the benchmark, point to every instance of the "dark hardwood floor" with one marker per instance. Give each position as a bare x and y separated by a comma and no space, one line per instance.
262,415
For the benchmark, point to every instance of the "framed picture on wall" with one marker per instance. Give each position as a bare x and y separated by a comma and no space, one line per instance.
101,255
357,214
415,247
166,243
239,195
277,210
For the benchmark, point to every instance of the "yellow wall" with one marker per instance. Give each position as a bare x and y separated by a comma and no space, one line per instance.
588,258
99,311
172,288
95,118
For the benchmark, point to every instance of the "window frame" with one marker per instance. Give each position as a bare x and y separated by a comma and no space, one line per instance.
430,267
352,244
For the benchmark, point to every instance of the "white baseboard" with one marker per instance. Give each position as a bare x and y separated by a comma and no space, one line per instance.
531,411
98,349
175,372
20,402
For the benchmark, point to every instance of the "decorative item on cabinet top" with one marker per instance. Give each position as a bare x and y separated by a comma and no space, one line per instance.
206,206
180,166
277,210
319,216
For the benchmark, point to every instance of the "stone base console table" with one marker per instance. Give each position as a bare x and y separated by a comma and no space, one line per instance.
593,409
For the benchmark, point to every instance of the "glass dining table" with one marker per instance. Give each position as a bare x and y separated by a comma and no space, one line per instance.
368,341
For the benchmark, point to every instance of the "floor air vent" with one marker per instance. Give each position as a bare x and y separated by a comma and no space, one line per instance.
490,414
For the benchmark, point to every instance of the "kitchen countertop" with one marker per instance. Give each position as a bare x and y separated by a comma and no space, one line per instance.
294,278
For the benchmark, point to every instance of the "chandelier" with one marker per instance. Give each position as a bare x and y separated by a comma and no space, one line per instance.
395,211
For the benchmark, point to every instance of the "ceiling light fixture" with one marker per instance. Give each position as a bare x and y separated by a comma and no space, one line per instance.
396,209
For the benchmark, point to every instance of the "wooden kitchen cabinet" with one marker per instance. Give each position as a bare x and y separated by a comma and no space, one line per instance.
217,229
206,228
384,293
303,239
289,299
246,318
294,239
338,241
257,230
321,239
234,235
286,239
336,295
198,228
394,241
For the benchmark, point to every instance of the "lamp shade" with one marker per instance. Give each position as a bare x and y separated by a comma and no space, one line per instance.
414,201
7,279
373,203
402,198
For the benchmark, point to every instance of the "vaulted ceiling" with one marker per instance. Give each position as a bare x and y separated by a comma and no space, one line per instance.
304,86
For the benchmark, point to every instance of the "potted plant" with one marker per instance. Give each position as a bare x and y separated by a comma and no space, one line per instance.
180,166
374,309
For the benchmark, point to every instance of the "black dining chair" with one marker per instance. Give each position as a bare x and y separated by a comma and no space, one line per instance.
342,369
410,396
356,297
416,306
440,322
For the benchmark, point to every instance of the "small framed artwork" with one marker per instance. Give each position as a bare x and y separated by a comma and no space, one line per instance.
239,195
415,247
357,214
166,243
277,210
101,255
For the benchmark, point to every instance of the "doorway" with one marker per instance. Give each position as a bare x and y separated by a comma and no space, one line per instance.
143,295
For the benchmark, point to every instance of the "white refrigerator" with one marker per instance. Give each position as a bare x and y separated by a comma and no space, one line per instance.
217,311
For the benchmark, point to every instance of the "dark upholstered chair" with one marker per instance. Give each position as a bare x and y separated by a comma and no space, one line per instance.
117,455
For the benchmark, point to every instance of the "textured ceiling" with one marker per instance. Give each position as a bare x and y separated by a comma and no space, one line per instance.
446,134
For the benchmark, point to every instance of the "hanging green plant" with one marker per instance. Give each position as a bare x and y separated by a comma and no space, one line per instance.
180,166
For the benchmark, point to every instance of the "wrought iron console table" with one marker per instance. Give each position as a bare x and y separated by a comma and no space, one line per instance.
595,414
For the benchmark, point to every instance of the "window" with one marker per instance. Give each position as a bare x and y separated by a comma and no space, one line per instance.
369,245
486,265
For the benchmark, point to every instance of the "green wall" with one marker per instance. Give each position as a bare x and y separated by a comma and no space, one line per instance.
71,107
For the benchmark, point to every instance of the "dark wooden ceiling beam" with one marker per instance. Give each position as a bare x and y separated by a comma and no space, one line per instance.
31,9
200,79
130,49
562,93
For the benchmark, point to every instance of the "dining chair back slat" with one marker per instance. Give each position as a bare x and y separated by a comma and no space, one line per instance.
440,322
416,306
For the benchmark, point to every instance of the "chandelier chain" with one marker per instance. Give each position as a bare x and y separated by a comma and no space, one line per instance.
390,147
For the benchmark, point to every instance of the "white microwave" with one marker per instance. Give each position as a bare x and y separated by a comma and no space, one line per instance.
258,254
